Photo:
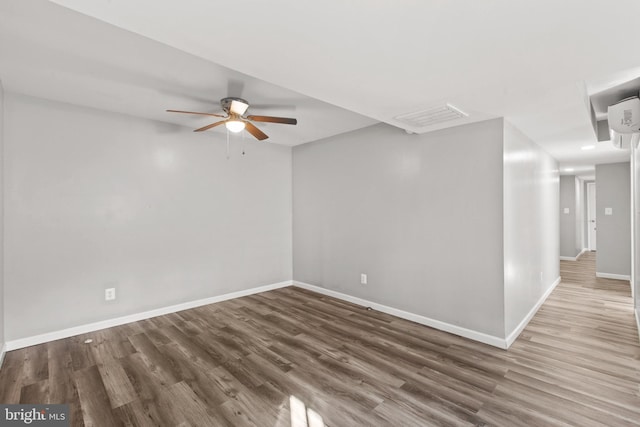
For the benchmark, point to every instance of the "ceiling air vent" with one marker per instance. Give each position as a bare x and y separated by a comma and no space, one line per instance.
431,117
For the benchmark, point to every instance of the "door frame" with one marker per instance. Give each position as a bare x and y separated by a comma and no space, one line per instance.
589,185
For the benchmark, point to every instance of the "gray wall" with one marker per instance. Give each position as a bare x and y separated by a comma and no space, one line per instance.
568,220
572,224
97,200
613,255
420,214
531,227
2,309
636,230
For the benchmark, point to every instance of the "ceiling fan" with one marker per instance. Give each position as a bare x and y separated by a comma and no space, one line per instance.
236,121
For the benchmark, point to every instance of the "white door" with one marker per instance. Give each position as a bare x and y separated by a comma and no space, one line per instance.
591,214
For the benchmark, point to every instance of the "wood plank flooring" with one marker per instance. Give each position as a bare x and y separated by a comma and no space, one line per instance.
238,363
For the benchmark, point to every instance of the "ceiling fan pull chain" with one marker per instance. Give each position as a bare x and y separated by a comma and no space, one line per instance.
228,155
243,144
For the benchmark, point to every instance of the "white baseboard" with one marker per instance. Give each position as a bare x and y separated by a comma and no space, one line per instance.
3,350
614,276
573,258
437,324
523,324
637,312
96,326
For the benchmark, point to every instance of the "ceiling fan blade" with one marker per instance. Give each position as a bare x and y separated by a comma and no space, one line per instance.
238,107
270,119
253,130
195,112
210,126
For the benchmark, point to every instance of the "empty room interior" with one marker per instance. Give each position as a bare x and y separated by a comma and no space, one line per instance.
317,214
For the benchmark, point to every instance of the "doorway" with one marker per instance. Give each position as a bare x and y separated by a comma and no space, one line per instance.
591,215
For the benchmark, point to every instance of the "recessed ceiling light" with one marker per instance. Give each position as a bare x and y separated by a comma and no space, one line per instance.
568,169
588,147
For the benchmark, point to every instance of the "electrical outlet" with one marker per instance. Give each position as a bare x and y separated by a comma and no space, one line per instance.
363,279
110,294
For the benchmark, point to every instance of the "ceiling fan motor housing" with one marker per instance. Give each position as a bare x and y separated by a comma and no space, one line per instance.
226,103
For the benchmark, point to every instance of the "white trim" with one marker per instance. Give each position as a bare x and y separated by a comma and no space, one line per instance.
96,326
3,351
632,209
614,276
523,324
573,258
637,312
437,324
589,245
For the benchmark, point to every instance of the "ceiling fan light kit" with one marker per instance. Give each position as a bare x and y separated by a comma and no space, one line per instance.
235,120
234,126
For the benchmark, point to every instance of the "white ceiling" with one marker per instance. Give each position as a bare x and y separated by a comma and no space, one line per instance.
52,52
533,62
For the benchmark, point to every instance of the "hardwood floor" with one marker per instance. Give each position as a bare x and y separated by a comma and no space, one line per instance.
238,363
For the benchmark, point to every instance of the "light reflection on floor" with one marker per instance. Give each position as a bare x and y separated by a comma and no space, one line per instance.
301,416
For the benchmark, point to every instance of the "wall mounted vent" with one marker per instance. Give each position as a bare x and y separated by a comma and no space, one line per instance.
431,117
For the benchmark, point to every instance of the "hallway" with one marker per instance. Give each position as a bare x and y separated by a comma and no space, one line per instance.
580,352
